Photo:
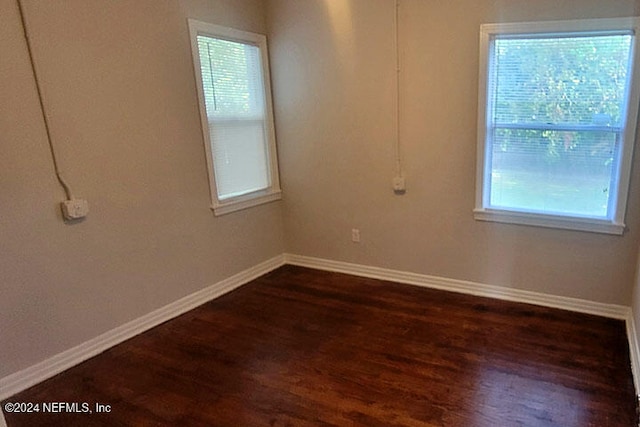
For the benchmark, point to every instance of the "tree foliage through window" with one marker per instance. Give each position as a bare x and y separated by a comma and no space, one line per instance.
556,115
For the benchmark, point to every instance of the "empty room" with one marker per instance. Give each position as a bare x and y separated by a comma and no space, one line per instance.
319,213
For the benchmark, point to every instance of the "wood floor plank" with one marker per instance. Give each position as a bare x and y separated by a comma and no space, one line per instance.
300,347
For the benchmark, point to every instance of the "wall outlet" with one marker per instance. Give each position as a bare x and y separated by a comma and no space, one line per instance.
355,235
75,209
399,185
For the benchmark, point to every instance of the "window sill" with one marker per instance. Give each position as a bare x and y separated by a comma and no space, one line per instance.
245,202
550,221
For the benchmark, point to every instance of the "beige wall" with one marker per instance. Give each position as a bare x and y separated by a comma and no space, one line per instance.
333,69
118,80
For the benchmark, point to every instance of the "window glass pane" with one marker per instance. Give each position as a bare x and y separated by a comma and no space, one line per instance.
561,79
234,99
240,158
232,77
560,172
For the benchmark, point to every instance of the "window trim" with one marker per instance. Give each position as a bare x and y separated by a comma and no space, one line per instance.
273,191
615,223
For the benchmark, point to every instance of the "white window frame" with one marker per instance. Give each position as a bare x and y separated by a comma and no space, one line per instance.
273,191
614,224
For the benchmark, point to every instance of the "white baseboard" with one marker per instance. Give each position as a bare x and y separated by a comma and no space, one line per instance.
634,350
465,287
39,372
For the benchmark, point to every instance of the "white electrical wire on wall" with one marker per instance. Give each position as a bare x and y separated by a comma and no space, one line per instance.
45,118
397,113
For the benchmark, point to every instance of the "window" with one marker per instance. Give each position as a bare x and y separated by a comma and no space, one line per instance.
232,75
556,123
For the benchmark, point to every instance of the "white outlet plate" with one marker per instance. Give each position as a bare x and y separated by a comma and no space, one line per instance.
399,185
75,209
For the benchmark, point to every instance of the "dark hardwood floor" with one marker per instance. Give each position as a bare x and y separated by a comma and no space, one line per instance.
300,347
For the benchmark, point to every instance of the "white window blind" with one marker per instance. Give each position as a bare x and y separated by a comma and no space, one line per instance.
556,120
234,98
234,93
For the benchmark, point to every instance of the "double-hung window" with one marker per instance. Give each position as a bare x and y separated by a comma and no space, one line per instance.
558,104
232,75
